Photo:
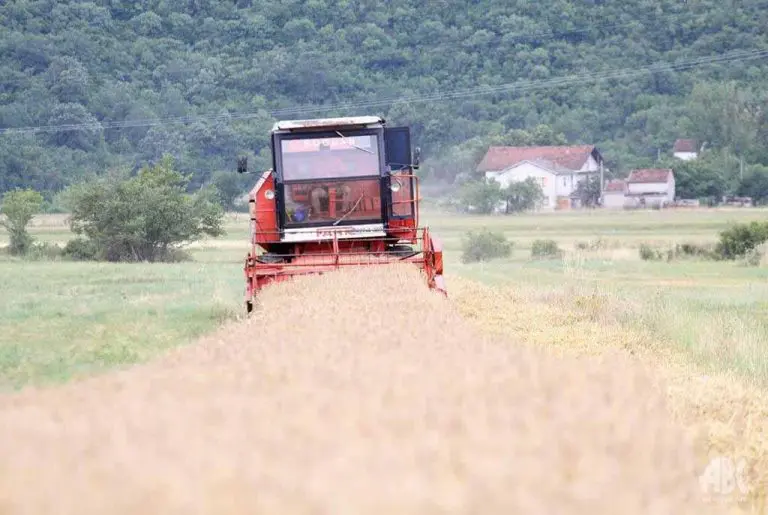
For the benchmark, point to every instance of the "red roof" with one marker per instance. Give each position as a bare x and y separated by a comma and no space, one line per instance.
649,175
685,145
570,157
614,185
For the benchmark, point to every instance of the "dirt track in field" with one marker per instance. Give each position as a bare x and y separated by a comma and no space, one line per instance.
350,393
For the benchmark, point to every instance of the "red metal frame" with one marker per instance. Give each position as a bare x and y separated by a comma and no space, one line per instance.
333,253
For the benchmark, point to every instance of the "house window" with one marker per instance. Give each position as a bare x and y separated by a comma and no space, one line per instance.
543,181
564,181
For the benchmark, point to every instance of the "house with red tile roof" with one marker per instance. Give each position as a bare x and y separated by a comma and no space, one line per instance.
615,194
686,149
557,169
651,186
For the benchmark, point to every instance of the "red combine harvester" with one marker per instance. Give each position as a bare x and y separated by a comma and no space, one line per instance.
341,192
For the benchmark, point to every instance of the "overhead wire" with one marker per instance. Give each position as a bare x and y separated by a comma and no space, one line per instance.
523,86
519,86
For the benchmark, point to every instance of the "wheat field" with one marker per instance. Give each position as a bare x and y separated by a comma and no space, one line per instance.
353,392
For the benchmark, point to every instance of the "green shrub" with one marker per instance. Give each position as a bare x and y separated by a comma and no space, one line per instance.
648,253
43,250
596,244
753,257
485,245
482,196
177,256
689,249
18,207
81,249
545,248
146,217
696,250
739,239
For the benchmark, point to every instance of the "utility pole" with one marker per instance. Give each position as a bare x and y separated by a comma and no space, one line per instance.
741,168
602,182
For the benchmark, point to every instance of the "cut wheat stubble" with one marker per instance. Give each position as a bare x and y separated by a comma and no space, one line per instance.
356,392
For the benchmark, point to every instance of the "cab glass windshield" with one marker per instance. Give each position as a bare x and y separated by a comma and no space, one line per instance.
328,158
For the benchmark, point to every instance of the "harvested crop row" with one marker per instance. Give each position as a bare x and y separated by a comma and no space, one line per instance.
356,392
726,416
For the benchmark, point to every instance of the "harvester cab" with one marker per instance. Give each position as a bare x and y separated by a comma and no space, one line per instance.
341,192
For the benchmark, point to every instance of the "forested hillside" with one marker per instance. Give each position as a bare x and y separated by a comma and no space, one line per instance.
204,80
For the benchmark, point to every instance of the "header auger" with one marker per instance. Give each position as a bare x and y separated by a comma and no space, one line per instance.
341,192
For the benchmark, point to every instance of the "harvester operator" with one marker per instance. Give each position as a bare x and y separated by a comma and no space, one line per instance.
319,196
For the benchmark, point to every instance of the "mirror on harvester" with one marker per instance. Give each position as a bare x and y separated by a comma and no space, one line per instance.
416,157
242,164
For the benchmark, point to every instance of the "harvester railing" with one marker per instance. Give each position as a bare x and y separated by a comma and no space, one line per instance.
328,241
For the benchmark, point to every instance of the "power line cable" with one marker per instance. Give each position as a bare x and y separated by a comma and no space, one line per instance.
103,125
524,86
519,87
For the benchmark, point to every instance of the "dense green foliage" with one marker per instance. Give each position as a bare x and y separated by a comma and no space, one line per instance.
218,73
589,191
18,208
479,196
522,196
681,250
739,239
141,218
485,196
484,245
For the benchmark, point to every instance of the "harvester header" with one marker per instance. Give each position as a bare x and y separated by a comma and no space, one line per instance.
341,192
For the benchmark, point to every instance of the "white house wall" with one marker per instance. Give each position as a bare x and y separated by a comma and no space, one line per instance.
614,200
566,184
671,193
685,156
545,178
590,165
647,187
647,201
665,189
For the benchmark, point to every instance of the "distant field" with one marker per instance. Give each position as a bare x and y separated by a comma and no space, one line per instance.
717,312
62,319
626,227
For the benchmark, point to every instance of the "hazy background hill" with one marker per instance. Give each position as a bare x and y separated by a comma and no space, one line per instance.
130,69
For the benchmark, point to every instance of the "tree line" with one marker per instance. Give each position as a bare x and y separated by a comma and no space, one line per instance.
217,74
